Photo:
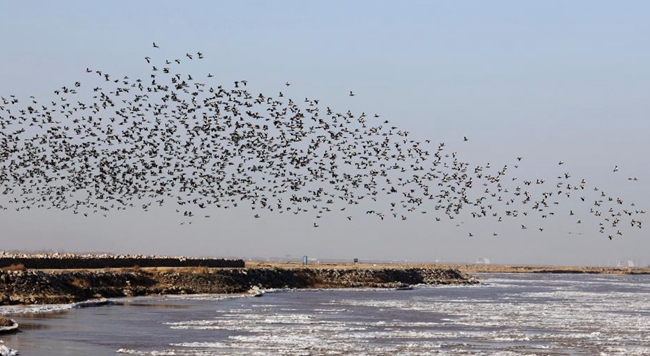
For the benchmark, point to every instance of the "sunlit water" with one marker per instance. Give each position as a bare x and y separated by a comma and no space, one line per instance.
518,314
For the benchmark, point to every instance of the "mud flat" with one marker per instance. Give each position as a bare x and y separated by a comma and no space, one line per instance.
70,286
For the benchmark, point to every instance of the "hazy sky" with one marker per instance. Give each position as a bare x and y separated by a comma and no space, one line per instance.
545,80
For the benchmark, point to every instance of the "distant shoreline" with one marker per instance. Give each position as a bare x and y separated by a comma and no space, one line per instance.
72,261
465,268
550,269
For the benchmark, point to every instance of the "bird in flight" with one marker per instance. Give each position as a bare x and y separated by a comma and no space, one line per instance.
170,137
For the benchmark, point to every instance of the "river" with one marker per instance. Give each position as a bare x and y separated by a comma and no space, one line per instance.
507,314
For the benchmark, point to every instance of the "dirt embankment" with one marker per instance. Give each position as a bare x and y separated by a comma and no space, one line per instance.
41,287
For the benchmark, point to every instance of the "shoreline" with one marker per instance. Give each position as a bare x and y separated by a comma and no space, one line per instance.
64,286
26,287
465,268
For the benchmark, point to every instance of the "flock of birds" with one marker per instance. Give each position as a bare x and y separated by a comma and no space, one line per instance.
178,139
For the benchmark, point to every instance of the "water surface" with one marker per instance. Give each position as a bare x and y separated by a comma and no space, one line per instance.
508,314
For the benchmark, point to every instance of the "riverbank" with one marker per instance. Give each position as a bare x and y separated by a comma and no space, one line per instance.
549,269
465,268
70,286
20,285
100,261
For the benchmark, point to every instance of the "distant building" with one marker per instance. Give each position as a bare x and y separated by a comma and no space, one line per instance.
628,263
482,261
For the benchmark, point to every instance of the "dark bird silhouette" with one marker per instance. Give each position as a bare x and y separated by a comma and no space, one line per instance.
180,139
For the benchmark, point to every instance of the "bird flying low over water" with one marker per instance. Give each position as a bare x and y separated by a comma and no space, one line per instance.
111,143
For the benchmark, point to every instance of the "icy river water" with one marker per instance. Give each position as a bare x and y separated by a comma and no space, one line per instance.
507,314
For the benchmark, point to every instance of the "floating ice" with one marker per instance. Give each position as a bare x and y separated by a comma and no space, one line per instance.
513,315
34,309
5,351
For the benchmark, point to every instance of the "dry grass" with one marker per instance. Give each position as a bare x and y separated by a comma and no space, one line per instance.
16,267
195,270
135,268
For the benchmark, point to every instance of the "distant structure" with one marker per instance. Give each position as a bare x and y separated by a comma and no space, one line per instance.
304,260
628,263
482,261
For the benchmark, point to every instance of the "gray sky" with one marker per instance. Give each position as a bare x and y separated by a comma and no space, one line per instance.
545,80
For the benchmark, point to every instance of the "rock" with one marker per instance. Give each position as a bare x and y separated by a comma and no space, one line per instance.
4,321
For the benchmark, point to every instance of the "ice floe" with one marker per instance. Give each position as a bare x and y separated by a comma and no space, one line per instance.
6,351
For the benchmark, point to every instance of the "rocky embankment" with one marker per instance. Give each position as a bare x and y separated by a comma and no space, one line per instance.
40,287
93,261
